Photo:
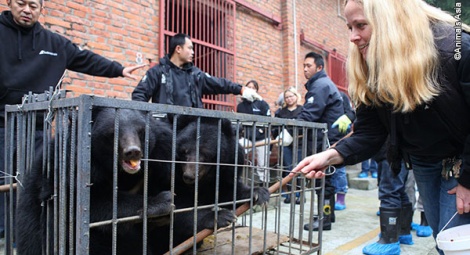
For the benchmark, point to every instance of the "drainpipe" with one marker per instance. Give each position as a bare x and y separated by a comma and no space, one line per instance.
296,50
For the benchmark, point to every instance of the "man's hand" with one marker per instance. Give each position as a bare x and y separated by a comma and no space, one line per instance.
343,123
250,94
462,198
127,71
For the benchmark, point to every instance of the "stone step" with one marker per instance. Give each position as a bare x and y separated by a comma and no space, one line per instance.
359,183
363,183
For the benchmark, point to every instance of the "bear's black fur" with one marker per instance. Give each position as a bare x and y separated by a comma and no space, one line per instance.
32,227
208,177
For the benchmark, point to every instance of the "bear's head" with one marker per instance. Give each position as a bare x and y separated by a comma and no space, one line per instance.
131,138
199,154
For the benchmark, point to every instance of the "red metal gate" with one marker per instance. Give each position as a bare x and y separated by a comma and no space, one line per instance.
211,25
337,70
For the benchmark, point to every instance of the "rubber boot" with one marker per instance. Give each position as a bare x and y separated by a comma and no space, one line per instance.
328,214
423,230
332,216
406,216
340,201
287,200
389,228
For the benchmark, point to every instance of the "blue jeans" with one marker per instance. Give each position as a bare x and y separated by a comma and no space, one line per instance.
392,193
369,165
288,158
439,206
288,161
339,180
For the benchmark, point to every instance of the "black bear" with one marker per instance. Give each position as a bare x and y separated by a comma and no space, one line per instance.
34,223
215,174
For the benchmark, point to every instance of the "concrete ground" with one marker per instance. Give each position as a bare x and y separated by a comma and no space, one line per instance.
358,226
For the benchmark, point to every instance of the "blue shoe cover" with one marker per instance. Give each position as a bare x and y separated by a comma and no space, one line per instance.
382,249
378,213
374,175
406,239
414,226
339,207
363,175
423,231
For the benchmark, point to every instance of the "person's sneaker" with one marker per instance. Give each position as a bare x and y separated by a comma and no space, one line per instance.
374,175
363,175
339,207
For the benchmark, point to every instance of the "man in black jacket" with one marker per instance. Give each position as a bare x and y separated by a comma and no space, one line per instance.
33,59
323,104
176,81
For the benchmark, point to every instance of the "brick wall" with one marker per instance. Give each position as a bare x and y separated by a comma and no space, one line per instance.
127,31
267,53
121,30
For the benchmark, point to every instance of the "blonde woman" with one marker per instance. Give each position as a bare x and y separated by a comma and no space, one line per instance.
409,76
290,109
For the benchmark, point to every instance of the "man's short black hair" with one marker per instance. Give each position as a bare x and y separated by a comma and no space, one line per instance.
177,40
317,57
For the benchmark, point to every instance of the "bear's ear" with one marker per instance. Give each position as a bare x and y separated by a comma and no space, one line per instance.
227,128
183,120
95,112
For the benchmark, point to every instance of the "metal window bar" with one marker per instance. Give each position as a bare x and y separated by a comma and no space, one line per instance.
70,213
210,23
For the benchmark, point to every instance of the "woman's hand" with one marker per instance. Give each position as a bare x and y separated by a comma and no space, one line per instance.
462,196
313,166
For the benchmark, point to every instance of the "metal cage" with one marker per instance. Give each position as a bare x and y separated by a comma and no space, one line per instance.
61,131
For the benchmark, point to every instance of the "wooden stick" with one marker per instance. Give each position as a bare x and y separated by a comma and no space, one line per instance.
184,246
262,143
6,187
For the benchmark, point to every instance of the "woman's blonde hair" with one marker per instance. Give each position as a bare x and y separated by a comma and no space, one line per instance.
402,59
293,91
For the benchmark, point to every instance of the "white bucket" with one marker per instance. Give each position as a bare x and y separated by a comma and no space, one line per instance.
455,241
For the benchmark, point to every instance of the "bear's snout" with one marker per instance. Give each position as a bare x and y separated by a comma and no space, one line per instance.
132,152
189,178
